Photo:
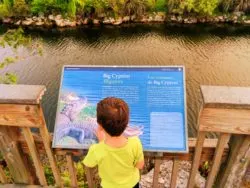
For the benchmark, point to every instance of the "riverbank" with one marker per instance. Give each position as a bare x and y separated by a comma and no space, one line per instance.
156,17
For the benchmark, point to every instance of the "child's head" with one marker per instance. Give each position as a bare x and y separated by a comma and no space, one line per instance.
113,115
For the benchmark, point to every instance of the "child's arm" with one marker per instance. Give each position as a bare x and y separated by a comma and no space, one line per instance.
140,165
140,156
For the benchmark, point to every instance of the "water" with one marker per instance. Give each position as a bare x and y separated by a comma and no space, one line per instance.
212,55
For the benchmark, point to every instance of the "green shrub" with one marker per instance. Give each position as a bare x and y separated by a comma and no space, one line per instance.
48,7
160,6
4,11
20,8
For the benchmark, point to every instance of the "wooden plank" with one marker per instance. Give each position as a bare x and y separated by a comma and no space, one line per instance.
223,141
174,173
34,154
222,96
158,162
46,138
89,175
196,160
12,156
20,121
233,171
3,177
72,170
234,121
21,94
19,115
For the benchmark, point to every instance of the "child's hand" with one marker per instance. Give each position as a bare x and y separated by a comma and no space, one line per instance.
100,134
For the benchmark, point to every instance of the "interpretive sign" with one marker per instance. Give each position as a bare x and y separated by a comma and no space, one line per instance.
155,95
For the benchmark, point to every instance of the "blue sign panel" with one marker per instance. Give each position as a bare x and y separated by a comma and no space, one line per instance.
155,95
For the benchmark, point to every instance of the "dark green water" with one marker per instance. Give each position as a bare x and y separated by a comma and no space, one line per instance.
212,55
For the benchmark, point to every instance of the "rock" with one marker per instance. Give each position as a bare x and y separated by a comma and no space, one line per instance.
51,17
202,20
173,18
247,21
39,23
165,176
126,19
179,19
79,22
34,18
27,22
7,21
107,21
150,19
19,22
220,18
60,23
118,21
96,22
58,17
85,21
68,23
145,20
133,17
158,18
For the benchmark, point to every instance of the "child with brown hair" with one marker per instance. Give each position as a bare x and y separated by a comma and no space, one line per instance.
118,158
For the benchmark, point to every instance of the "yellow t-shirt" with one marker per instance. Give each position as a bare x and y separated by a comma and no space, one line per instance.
116,166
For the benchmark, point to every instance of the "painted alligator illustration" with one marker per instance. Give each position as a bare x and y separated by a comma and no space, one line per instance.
81,130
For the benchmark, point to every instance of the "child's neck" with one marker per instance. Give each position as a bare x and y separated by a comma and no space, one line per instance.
116,141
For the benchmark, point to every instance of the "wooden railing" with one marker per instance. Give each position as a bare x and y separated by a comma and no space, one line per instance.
20,111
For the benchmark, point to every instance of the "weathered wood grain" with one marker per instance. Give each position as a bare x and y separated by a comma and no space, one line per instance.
21,94
47,145
10,151
196,160
222,96
158,162
72,170
174,173
223,141
34,154
234,121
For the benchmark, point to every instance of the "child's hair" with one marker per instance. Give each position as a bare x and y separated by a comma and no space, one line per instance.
113,115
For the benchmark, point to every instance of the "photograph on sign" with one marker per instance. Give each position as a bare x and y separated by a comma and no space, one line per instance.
155,95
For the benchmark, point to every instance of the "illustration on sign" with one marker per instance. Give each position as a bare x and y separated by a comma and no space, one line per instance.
155,95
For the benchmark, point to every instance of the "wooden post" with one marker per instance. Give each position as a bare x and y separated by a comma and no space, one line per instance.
72,170
226,110
232,173
89,174
32,147
47,145
12,156
174,173
223,141
196,160
158,162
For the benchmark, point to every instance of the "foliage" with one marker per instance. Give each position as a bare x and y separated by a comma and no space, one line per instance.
20,8
226,5
4,11
160,5
135,7
48,6
49,175
200,7
204,169
15,39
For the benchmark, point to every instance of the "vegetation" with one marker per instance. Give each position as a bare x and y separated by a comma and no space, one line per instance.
15,39
71,8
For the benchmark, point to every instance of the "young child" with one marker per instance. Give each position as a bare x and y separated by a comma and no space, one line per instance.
118,158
